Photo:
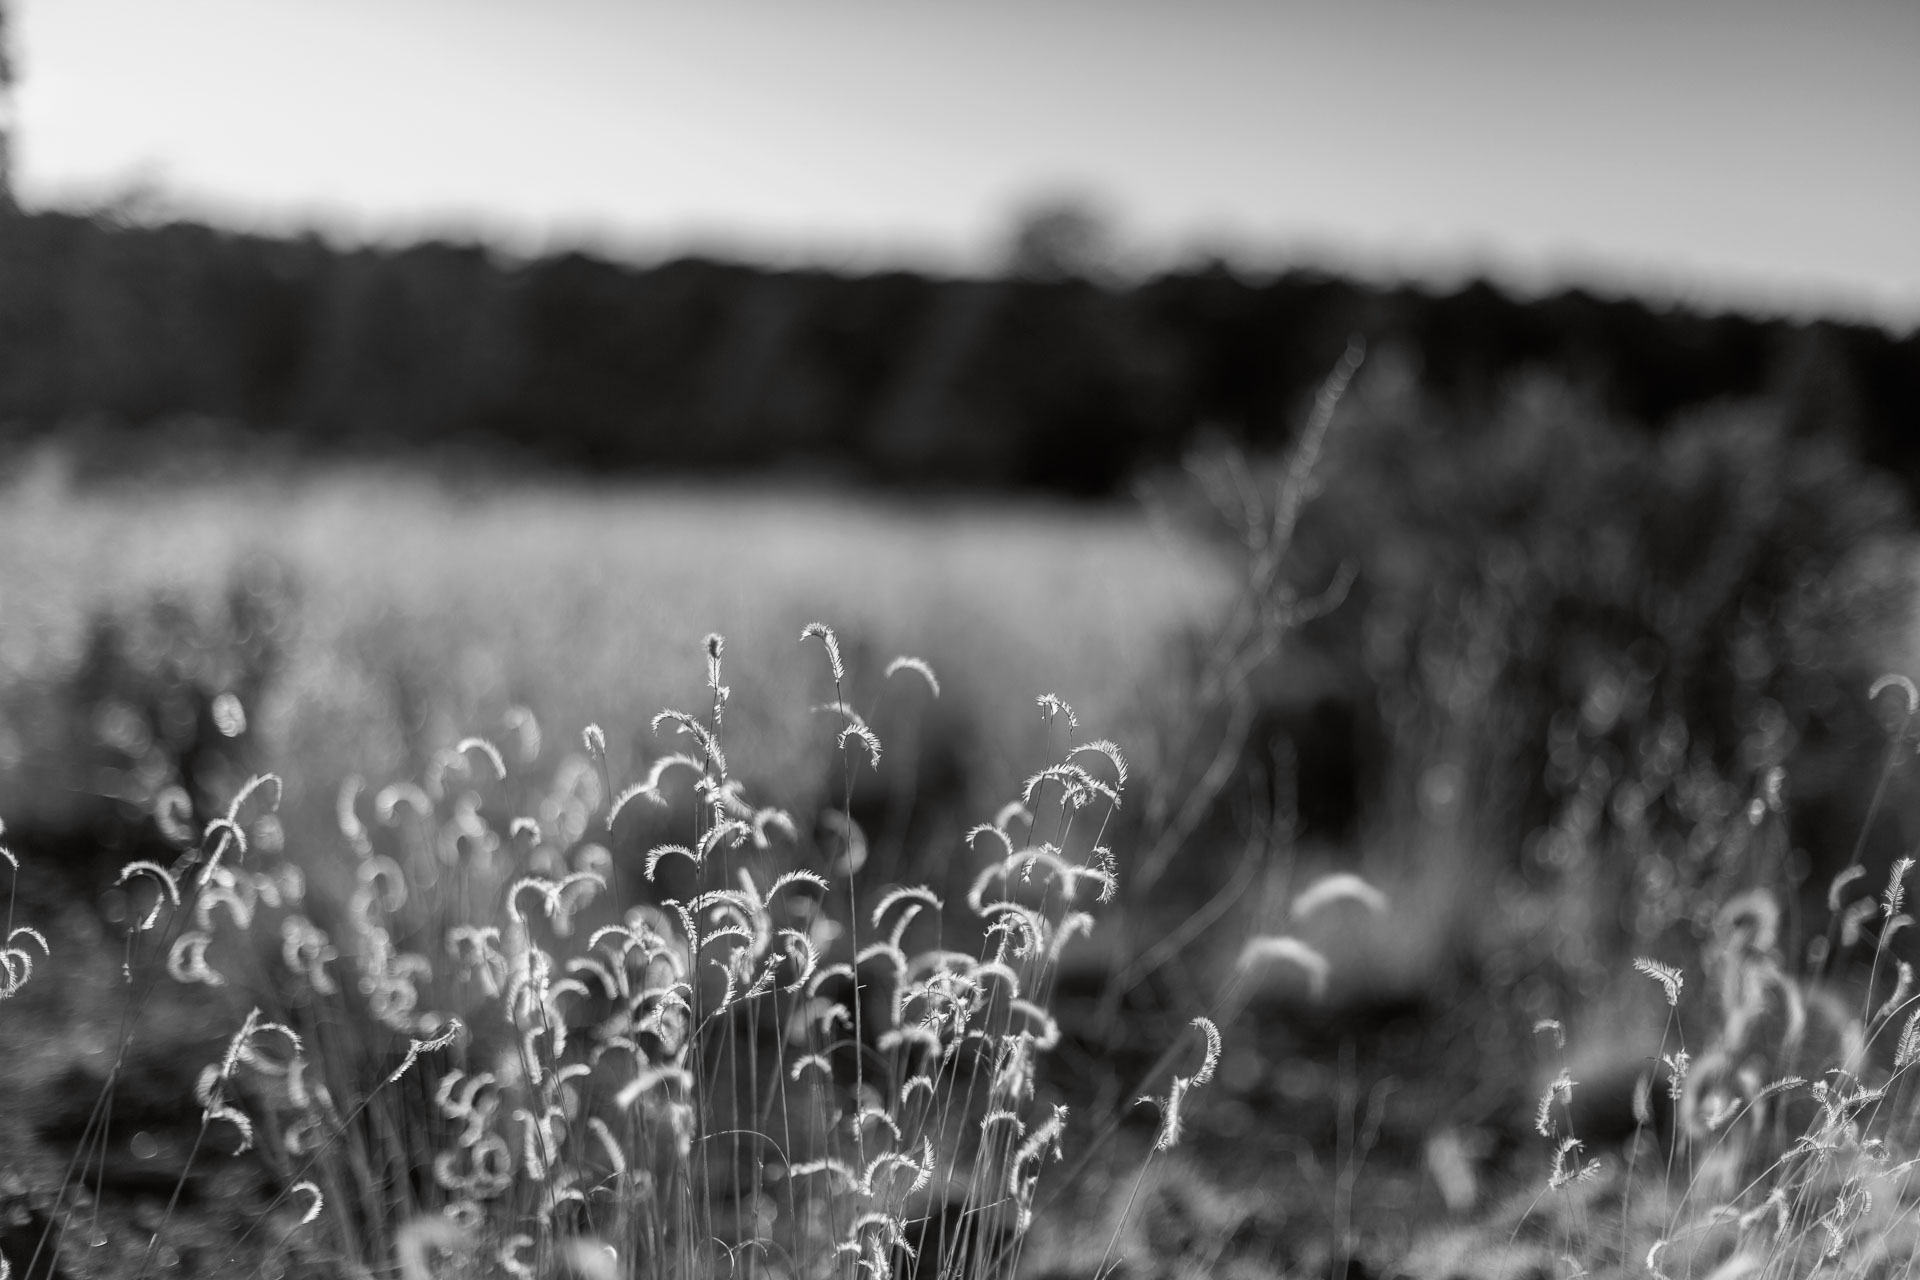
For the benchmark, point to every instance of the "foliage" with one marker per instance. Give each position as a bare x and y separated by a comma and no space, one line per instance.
1616,683
634,1031
1583,648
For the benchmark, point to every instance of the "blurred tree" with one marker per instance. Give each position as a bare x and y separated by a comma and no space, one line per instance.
1062,238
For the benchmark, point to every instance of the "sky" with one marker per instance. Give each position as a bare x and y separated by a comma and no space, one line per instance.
1747,153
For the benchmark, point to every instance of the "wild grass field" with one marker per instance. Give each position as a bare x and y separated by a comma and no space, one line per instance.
1453,850
372,620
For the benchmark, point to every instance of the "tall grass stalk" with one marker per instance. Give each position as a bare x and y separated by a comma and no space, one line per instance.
509,1023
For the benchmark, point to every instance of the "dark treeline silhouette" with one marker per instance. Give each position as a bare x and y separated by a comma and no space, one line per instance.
1036,381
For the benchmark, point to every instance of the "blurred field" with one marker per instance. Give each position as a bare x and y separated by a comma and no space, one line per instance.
1562,690
420,611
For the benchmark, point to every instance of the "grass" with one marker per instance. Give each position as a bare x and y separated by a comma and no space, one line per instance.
418,608
484,1060
749,986
422,612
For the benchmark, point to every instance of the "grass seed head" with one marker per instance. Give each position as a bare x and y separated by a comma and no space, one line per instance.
1666,975
486,751
1896,887
832,643
1270,949
1342,886
1053,707
919,667
1903,684
1837,888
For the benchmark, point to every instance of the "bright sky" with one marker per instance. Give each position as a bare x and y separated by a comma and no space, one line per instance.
1744,151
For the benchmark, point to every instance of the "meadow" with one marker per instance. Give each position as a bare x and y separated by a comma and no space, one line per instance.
1450,850
410,611
375,618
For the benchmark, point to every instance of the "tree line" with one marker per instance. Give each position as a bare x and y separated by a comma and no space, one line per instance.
1041,380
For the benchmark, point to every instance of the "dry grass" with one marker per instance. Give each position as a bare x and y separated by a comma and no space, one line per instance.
545,1011
628,1024
728,1121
